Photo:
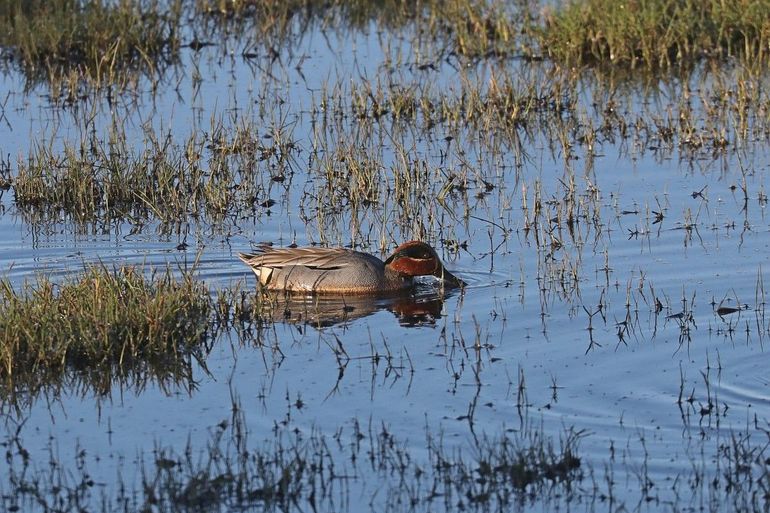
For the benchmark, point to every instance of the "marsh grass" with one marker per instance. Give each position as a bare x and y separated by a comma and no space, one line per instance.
655,35
107,320
369,175
377,204
467,28
78,45
120,328
212,179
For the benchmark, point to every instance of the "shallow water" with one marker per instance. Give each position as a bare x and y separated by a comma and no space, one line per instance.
526,315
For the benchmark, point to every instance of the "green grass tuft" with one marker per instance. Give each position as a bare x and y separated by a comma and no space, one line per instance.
104,319
72,43
656,34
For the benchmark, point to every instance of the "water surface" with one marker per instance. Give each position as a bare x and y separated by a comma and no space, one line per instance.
550,337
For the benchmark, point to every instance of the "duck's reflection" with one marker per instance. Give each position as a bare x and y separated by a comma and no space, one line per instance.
420,307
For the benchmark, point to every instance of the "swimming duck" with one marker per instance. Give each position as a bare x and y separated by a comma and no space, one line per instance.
344,271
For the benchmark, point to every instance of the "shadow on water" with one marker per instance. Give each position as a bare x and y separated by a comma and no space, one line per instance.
420,307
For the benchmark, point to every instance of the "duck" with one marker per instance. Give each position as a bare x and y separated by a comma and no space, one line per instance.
319,270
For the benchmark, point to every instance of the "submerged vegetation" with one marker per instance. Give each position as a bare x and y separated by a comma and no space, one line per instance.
296,471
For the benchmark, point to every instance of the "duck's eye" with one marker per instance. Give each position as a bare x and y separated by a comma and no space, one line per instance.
420,254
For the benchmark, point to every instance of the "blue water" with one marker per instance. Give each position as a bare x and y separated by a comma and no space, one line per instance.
525,313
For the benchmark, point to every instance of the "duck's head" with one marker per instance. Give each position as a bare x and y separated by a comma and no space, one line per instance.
415,258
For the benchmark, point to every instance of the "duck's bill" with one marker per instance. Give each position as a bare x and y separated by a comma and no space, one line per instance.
450,280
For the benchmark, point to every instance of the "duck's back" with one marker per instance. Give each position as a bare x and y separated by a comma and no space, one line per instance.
321,270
